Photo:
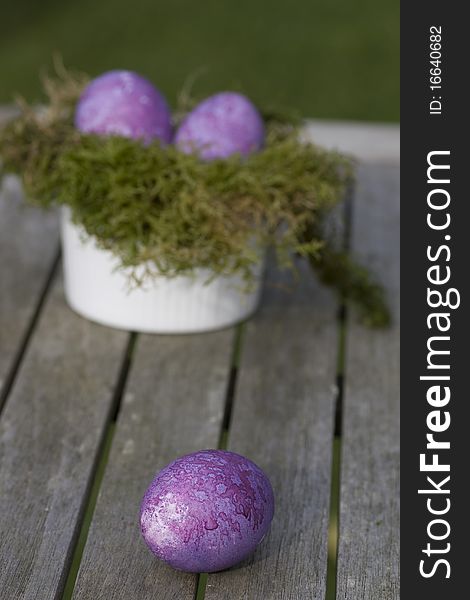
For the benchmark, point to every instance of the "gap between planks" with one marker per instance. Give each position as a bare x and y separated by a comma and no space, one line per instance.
201,582
333,524
84,521
369,513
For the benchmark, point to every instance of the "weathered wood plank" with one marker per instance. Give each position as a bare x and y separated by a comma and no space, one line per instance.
29,242
50,435
368,558
173,405
283,420
369,142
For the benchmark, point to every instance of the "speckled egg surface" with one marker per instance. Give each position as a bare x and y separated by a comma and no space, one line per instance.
124,103
207,511
224,124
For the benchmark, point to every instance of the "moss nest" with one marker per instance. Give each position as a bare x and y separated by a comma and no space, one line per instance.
157,206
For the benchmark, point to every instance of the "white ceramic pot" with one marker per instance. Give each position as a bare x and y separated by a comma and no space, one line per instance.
97,290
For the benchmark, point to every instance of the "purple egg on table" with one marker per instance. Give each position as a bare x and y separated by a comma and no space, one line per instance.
221,125
207,511
124,103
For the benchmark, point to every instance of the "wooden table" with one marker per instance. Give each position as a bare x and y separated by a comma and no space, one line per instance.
91,413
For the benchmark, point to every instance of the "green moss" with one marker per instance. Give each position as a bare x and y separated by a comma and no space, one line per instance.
156,206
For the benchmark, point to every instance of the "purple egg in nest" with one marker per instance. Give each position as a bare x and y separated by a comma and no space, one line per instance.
126,104
224,124
207,511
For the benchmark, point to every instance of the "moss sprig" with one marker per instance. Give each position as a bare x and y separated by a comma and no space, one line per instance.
157,206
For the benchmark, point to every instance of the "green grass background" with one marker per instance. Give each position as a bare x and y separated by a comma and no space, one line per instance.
326,58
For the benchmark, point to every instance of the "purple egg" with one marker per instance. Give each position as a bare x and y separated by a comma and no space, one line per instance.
207,511
221,125
124,103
